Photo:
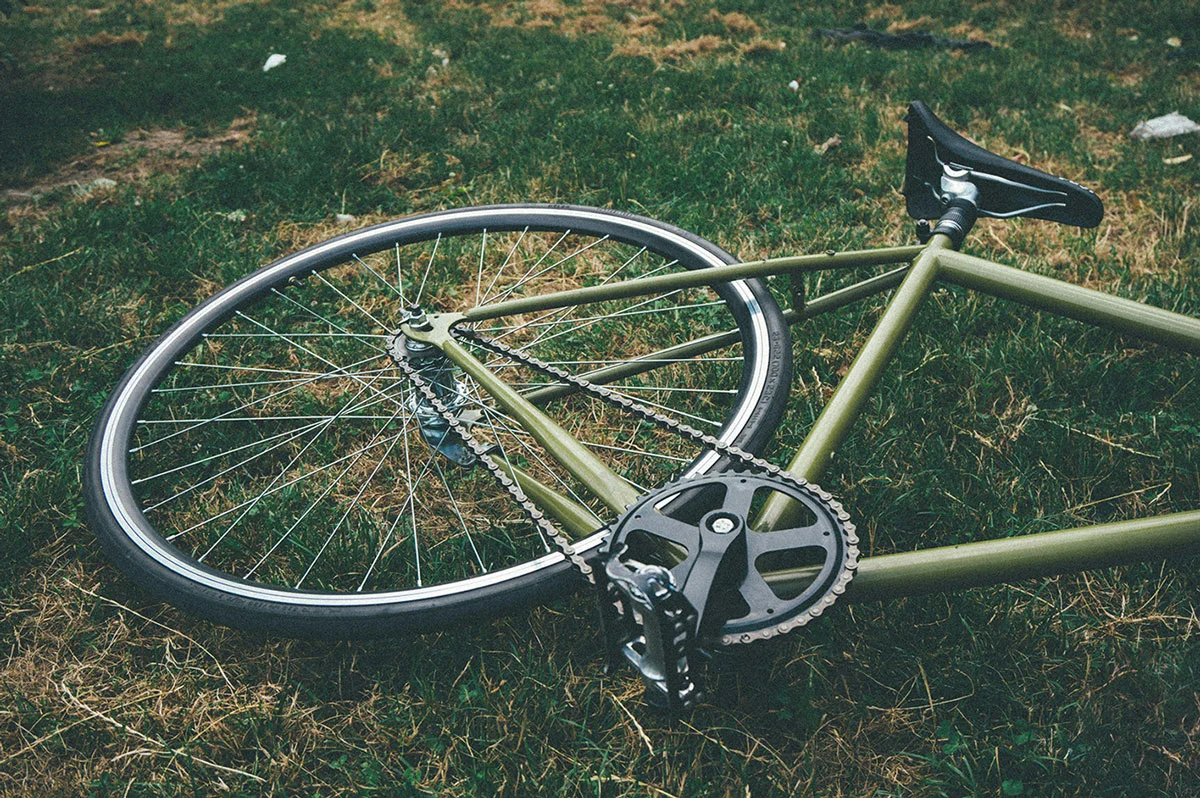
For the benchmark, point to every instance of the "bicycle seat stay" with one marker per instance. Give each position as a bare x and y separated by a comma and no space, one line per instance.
1006,189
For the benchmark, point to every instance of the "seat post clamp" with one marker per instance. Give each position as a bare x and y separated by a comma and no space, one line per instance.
961,198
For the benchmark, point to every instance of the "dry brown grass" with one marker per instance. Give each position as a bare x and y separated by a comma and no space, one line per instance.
898,22
634,26
200,13
104,40
145,699
384,18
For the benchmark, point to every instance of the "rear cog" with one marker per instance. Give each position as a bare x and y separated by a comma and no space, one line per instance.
744,584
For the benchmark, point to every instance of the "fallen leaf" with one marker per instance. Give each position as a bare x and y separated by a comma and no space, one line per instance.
829,144
904,26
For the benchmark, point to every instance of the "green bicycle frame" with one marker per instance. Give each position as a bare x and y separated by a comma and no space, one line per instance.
882,576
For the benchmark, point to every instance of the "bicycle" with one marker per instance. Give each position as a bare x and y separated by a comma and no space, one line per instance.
449,416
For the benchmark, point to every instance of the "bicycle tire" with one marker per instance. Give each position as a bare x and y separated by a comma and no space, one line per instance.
119,482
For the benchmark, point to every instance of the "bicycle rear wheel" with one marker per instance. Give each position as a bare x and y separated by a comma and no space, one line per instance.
264,464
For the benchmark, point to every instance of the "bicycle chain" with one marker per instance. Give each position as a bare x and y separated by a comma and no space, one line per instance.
747,460
536,516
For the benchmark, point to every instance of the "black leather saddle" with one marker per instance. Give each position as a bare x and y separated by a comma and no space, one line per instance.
1006,188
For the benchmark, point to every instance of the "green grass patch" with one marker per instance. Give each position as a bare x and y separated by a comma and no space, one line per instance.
993,421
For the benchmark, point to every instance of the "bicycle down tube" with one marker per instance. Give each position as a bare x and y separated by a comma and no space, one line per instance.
880,576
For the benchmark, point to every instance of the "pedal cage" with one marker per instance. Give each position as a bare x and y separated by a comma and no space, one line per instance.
648,623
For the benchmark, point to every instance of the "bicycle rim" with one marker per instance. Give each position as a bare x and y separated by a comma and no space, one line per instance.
266,463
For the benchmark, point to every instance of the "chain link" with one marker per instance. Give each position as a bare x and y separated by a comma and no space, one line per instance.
481,452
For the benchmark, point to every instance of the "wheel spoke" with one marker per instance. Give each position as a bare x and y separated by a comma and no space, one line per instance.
564,312
526,276
328,321
390,287
529,450
504,265
432,255
630,311
663,389
338,291
289,381
299,455
408,504
458,514
308,351
667,409
252,403
479,273
354,502
290,435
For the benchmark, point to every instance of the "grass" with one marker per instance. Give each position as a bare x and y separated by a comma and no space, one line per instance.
993,420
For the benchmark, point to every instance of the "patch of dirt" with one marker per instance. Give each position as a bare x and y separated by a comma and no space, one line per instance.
139,155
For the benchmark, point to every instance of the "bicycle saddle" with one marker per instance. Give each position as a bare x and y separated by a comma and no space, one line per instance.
1006,188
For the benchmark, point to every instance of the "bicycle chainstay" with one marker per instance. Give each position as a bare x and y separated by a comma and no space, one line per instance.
666,616
746,460
480,451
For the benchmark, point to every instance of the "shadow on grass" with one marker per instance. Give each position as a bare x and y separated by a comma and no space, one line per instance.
61,99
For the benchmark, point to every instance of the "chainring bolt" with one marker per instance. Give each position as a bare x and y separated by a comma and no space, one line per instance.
723,526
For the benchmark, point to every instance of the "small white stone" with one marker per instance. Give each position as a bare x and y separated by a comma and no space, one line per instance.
274,60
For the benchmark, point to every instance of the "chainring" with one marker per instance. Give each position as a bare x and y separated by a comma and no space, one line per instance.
748,584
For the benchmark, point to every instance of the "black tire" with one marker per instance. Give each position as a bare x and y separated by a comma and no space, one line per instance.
123,487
